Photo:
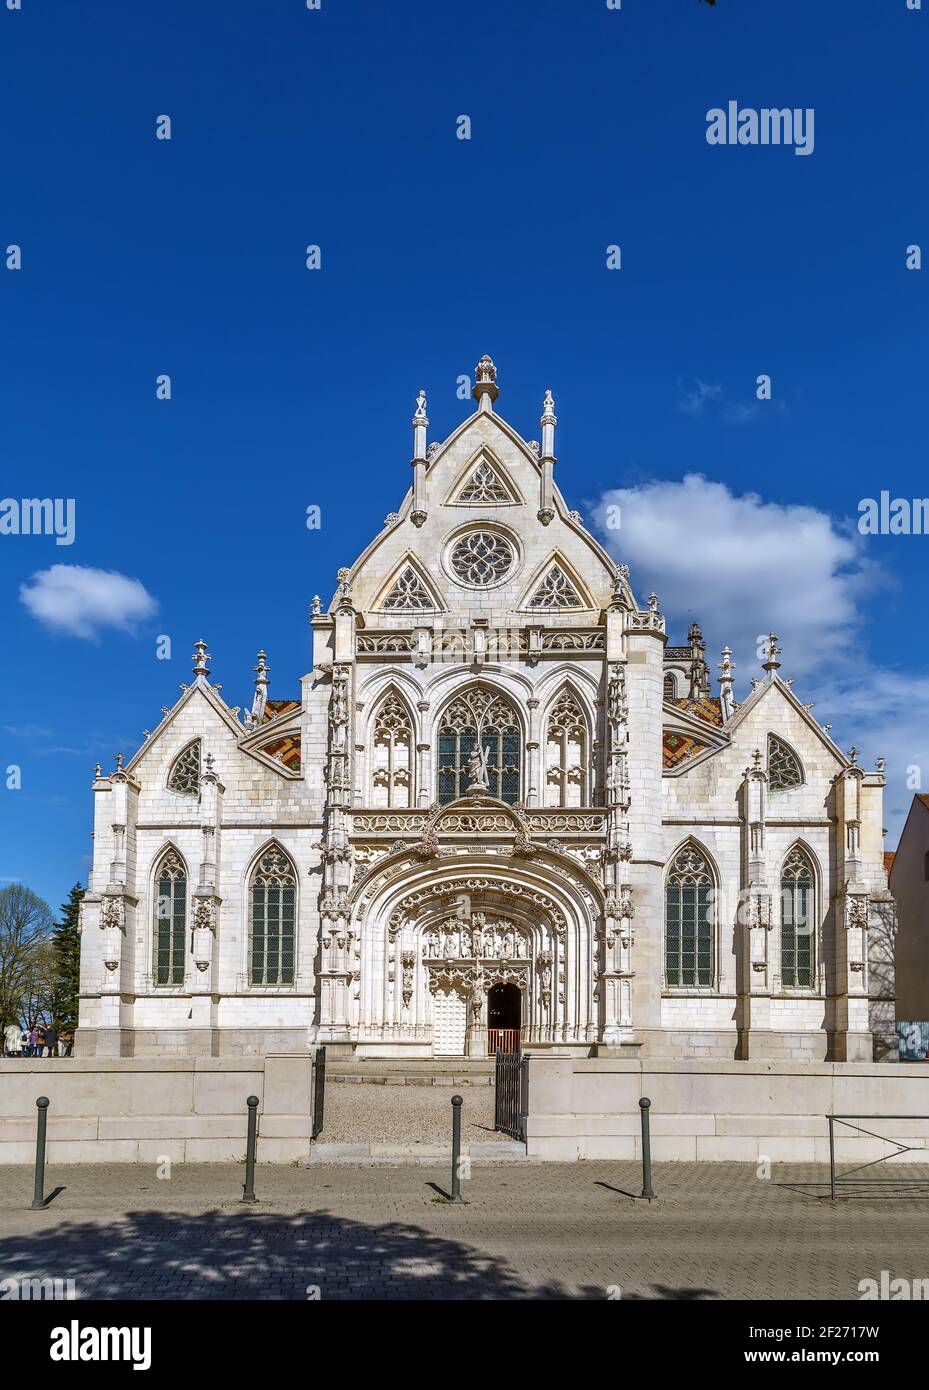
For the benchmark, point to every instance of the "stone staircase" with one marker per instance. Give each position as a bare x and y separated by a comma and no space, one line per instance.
400,1071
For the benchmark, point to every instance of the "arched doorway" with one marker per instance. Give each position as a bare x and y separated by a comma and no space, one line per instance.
504,1018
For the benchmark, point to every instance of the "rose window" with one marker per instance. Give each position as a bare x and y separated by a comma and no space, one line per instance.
482,557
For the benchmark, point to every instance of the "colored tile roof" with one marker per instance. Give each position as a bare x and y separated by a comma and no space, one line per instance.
889,857
275,707
677,748
706,708
286,751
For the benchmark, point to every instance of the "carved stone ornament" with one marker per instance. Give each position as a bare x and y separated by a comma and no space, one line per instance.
856,911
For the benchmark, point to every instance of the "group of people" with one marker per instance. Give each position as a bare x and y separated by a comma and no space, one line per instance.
43,1040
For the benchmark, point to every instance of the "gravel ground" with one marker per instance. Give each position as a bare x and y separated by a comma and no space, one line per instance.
358,1114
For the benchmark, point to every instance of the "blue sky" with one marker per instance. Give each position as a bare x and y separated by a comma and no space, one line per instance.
292,387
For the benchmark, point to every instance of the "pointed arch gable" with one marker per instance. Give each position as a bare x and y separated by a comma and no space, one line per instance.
409,589
484,482
555,587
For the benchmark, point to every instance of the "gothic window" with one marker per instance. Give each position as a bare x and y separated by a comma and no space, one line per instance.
784,768
797,903
483,485
479,718
670,688
272,906
170,919
184,776
689,920
391,754
481,557
408,594
556,591
566,757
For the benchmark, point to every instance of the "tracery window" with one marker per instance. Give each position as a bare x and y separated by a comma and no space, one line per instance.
408,594
272,912
784,768
483,486
797,903
391,754
566,757
170,919
184,776
481,557
689,920
479,719
556,591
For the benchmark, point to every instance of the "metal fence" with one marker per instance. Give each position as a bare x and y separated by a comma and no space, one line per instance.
319,1092
511,1099
843,1184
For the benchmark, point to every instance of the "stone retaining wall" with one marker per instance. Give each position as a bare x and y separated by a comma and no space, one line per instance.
139,1110
709,1110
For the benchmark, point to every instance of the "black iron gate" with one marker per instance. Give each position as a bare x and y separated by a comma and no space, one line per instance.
319,1091
511,1102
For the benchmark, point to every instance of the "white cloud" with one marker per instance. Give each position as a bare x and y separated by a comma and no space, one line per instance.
742,567
692,399
78,600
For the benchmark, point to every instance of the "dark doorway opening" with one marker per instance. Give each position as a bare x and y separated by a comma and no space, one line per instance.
504,1017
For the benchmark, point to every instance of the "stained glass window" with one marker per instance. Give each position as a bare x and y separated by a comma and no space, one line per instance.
170,919
797,921
184,776
784,768
479,718
273,914
481,557
689,920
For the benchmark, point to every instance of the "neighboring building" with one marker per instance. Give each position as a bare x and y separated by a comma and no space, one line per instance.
500,807
909,883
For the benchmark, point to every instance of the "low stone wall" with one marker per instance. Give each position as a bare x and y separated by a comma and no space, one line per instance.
138,1110
723,1111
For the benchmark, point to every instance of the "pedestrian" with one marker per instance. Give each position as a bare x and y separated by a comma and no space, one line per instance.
24,1044
11,1037
51,1040
35,1042
66,1042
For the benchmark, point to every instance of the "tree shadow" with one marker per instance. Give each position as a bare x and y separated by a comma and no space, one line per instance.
256,1255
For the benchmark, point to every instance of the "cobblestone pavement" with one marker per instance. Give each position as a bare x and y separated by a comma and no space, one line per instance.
407,1114
527,1231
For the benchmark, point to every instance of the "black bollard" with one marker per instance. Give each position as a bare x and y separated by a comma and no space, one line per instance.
248,1191
456,1149
647,1192
38,1196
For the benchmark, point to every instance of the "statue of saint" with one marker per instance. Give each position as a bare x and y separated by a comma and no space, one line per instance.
477,770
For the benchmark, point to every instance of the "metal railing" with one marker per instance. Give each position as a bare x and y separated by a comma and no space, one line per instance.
511,1096
899,1148
319,1092
503,1040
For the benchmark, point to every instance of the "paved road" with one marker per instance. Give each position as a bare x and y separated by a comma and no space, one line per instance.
528,1231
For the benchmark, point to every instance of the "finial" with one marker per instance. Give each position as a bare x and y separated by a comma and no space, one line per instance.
165,710
485,390
853,756
880,764
146,733
726,668
419,415
201,658
261,688
756,757
653,603
695,636
98,771
548,410
774,652
316,606
209,762
826,728
119,762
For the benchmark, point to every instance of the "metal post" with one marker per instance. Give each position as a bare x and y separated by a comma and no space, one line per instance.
647,1192
456,1148
248,1191
831,1157
38,1196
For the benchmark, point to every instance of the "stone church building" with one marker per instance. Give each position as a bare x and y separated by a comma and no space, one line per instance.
501,810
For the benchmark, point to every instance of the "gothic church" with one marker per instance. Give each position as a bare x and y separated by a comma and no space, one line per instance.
501,811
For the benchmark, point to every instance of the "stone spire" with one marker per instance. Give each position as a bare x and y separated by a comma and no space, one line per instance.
547,460
420,425
774,651
485,390
201,659
726,700
262,671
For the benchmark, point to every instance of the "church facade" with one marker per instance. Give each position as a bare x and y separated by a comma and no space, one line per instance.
501,811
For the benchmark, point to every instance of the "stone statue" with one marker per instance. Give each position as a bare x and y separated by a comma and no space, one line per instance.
477,770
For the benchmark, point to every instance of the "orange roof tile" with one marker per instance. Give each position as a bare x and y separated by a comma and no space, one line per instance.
707,708
676,748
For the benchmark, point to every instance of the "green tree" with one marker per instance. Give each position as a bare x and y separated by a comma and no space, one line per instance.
66,963
25,934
